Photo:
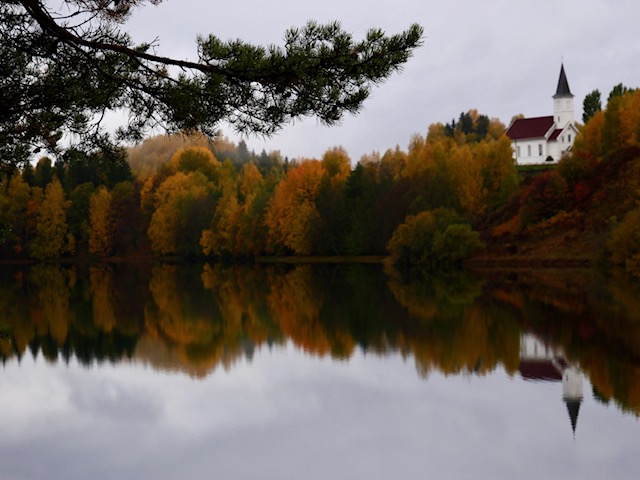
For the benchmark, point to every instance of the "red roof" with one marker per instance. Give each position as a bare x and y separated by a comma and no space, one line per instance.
536,127
555,134
542,370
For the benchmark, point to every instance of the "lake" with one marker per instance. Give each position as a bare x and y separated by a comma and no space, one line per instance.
172,371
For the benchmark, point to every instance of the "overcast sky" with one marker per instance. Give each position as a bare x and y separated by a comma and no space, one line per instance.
500,57
286,415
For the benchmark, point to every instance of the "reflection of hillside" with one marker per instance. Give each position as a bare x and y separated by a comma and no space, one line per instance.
595,321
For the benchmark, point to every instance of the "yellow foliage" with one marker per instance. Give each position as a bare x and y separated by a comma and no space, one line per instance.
588,142
196,159
100,241
467,174
51,227
176,191
103,314
295,306
220,238
156,151
337,164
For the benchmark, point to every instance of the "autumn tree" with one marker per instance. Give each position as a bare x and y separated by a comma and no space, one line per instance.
100,236
147,157
221,237
331,205
15,194
588,143
196,159
292,216
461,172
183,206
67,64
52,236
498,169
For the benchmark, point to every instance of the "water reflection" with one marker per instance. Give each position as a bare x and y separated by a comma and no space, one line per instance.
197,318
540,361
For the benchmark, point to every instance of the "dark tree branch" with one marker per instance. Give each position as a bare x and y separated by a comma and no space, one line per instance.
57,78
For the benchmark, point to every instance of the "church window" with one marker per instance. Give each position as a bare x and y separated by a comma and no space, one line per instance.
569,137
518,151
528,150
562,138
540,149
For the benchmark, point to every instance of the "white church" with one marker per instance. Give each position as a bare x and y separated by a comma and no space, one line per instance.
544,139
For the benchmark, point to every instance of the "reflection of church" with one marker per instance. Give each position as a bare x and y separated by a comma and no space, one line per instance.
540,362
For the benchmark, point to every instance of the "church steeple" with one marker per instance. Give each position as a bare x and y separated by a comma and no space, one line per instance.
572,393
573,407
563,89
563,101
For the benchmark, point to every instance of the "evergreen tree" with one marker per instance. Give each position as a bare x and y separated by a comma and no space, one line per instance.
64,64
591,105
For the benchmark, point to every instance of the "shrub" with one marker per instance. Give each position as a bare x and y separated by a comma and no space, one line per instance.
456,244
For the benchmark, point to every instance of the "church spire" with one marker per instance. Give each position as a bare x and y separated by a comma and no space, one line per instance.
573,407
563,85
572,393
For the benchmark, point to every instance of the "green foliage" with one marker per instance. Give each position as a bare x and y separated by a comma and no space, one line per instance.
43,173
472,126
591,105
437,239
457,243
618,90
78,214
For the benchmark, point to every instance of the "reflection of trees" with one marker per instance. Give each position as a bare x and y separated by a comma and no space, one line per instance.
44,308
456,332
294,301
195,318
241,295
103,315
185,319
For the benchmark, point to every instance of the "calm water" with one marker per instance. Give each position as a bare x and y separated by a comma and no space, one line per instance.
198,372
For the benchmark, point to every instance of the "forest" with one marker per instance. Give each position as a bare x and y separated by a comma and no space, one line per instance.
454,195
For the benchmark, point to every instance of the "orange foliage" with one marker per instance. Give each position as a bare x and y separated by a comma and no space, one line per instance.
292,214
295,306
588,143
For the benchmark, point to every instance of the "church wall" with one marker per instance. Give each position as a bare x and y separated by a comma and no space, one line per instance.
530,151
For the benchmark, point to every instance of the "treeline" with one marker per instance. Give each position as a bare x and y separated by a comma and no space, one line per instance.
450,193
203,198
